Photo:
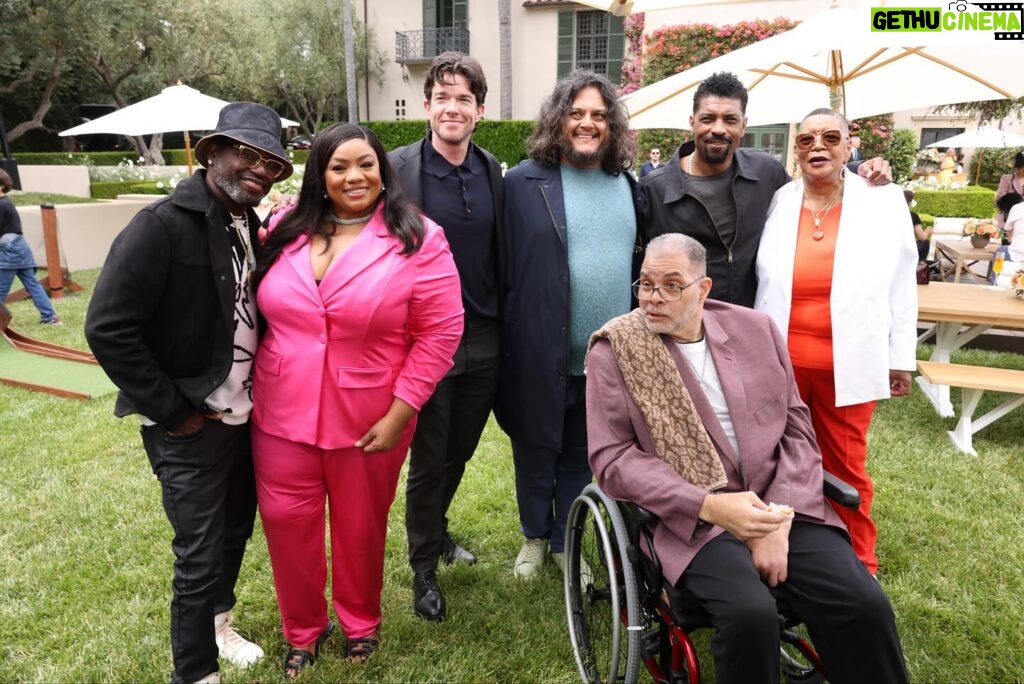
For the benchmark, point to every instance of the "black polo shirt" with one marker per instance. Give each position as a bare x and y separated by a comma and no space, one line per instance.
459,199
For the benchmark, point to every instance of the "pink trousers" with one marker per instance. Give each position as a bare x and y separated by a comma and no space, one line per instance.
842,434
293,484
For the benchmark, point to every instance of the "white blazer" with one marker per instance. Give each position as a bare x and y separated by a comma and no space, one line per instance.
874,289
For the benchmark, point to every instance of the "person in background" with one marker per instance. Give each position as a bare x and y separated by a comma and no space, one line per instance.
1012,206
460,187
856,153
363,314
840,284
719,194
1010,182
16,257
922,235
653,162
570,232
693,414
172,321
947,167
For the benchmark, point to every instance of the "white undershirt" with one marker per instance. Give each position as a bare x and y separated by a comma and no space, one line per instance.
702,363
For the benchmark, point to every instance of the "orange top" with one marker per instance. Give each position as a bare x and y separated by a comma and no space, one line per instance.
810,317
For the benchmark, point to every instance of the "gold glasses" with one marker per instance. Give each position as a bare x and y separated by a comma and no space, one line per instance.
806,141
250,159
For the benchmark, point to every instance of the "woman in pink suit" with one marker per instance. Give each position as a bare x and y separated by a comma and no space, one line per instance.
363,314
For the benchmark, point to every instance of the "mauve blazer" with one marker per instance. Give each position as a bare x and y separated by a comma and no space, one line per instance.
380,325
778,457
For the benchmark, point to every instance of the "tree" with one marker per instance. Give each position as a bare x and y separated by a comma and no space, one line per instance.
987,110
505,48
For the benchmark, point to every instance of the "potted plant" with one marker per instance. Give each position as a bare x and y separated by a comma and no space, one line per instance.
980,231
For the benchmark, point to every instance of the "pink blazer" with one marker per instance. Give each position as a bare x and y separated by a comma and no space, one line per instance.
379,326
778,460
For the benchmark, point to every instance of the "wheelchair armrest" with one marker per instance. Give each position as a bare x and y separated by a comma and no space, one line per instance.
641,515
841,492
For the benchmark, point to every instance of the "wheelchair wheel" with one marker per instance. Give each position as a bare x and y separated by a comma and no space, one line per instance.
601,597
795,664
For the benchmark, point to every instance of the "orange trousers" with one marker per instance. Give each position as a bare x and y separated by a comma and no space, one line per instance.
842,434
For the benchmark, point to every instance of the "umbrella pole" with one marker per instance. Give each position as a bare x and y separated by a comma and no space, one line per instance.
188,153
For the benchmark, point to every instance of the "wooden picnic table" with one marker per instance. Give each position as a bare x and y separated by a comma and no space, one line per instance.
961,256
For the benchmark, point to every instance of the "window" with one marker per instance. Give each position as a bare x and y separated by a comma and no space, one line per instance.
770,139
591,40
444,14
400,110
930,135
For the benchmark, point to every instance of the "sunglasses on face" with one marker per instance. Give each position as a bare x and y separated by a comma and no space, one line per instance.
806,141
250,159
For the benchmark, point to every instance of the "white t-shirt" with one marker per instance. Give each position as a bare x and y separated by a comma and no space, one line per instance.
1015,222
699,357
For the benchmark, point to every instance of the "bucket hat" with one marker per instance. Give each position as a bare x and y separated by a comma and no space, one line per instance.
251,124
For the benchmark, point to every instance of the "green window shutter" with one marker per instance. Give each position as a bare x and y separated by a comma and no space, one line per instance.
566,25
616,48
460,14
429,14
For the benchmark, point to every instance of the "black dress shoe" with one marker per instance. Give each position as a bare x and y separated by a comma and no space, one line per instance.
429,601
451,552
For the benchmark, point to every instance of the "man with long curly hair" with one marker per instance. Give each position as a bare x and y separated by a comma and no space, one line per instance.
570,232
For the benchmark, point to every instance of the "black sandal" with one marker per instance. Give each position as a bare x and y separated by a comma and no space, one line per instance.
360,650
299,659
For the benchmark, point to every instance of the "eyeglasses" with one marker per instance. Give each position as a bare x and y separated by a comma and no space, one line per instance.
806,141
643,289
250,159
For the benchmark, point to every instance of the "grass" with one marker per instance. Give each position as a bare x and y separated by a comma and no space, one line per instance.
85,562
34,199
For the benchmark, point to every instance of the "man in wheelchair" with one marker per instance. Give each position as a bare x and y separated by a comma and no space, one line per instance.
693,414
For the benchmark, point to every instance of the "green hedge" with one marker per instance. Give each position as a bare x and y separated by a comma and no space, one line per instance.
111,189
74,158
994,163
506,140
971,201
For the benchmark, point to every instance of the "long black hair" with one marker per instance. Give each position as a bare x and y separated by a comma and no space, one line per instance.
401,216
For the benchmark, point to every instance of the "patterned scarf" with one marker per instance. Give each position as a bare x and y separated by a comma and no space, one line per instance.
657,388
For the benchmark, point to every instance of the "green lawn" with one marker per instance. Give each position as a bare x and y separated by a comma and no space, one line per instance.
85,561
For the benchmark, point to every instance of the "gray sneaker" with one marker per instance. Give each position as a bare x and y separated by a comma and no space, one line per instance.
531,558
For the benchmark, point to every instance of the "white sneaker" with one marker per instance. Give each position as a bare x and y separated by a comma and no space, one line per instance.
212,678
531,558
586,574
233,646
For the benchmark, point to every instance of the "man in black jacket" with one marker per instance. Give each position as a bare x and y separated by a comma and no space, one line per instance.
172,321
459,186
718,194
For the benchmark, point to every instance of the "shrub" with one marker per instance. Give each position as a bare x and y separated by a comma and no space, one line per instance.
667,140
970,201
901,154
927,220
506,140
994,163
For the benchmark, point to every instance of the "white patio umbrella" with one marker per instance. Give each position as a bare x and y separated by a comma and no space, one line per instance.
834,60
983,136
176,108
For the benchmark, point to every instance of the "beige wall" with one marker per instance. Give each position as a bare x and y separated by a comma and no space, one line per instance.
63,180
84,231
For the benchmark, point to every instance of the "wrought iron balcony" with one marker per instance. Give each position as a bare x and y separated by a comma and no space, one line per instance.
415,47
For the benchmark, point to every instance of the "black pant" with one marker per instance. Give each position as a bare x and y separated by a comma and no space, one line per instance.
847,615
209,495
447,434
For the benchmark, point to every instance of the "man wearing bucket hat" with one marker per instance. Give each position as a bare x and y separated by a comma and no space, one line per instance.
172,321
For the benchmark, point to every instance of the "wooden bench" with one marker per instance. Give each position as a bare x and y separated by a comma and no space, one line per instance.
973,381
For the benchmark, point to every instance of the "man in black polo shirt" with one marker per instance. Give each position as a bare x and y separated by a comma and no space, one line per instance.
458,185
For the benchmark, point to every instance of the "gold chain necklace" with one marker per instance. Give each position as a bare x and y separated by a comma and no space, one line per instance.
820,217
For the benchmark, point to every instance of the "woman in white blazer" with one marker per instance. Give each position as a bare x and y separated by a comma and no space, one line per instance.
835,271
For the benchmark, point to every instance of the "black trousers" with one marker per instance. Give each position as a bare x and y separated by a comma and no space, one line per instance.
447,434
848,616
209,495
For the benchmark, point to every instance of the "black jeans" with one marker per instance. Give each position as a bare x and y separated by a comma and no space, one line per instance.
209,495
447,433
847,615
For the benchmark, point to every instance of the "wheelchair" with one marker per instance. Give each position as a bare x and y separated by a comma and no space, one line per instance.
618,608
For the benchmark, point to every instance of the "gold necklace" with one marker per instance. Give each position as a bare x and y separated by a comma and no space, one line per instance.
819,218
